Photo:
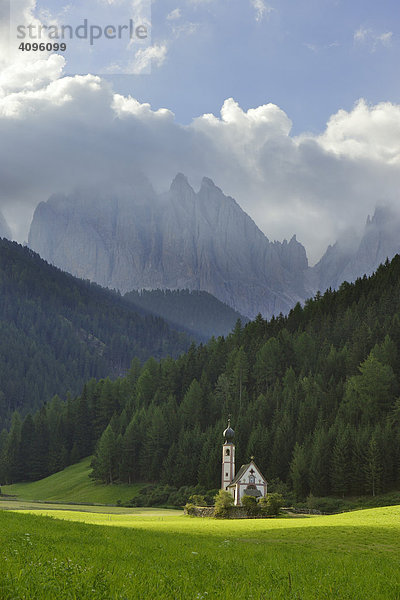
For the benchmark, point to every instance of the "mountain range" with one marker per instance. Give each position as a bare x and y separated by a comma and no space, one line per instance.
135,239
179,240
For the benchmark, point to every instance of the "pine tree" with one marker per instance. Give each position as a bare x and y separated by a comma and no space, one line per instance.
341,474
373,466
267,366
299,472
320,463
27,448
105,460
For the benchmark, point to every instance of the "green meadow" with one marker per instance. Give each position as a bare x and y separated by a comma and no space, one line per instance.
73,484
140,554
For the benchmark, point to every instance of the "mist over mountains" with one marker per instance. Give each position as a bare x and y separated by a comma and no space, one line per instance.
178,240
354,256
134,238
4,228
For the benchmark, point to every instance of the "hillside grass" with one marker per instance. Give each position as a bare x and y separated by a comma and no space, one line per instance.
73,484
162,554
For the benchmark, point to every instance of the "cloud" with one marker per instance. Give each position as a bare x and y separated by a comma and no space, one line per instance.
262,9
61,132
145,57
314,186
174,15
372,39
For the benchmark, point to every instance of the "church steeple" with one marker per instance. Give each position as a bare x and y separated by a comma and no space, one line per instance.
228,457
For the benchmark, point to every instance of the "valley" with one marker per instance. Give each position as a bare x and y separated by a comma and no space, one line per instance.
103,555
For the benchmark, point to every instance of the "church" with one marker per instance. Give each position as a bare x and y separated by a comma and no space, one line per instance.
249,481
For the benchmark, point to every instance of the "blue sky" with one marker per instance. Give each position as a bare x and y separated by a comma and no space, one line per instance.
310,57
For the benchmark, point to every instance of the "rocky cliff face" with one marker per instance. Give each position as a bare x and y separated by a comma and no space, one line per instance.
4,229
352,257
136,239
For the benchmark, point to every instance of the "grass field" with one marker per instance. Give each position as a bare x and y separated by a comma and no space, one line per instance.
67,554
73,484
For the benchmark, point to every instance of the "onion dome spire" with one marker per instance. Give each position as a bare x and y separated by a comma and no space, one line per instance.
229,433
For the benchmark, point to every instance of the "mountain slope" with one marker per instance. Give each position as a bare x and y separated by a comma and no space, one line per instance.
73,484
314,396
56,332
135,239
352,257
198,313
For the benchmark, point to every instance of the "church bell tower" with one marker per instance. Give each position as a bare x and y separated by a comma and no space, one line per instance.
228,457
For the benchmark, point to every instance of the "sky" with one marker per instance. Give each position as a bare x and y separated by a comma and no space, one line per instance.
291,107
310,57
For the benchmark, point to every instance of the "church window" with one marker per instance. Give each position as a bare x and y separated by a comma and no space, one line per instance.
252,479
227,452
226,475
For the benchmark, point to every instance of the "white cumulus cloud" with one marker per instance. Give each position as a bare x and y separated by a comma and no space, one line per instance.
60,132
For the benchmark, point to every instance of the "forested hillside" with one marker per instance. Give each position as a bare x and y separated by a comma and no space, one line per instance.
56,332
198,313
313,396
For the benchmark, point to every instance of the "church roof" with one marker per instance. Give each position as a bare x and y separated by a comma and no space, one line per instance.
243,470
239,474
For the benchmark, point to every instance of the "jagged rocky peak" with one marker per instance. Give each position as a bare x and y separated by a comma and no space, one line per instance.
208,184
293,255
180,182
181,239
354,255
386,219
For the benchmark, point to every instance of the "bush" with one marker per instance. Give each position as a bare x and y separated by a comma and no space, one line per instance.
251,505
190,509
325,505
167,495
223,504
271,505
153,495
197,500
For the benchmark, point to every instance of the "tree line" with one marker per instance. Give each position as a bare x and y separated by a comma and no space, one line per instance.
314,396
56,332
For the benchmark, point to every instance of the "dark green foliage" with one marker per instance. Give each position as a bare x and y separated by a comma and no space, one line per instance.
326,505
271,505
56,332
299,472
198,500
196,312
168,495
105,461
323,417
251,506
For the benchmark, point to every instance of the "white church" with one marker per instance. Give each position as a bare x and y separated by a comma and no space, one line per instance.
249,481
